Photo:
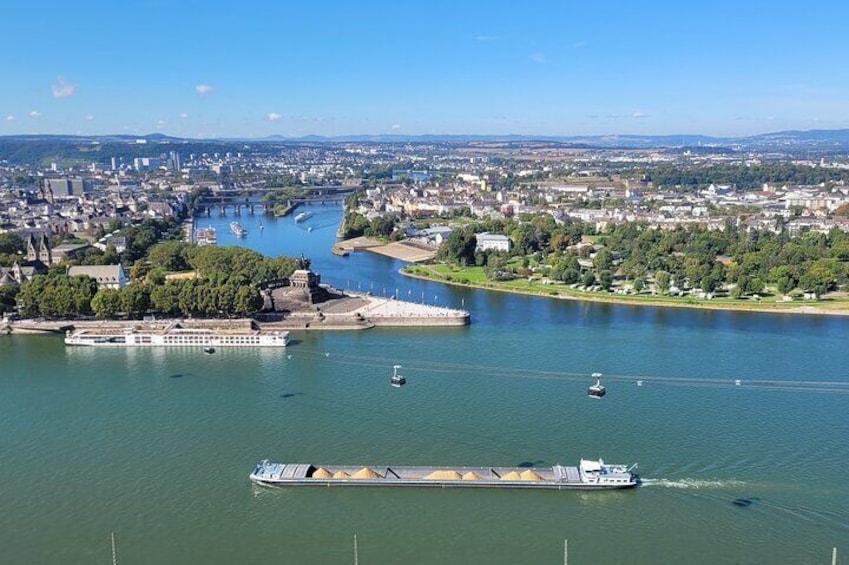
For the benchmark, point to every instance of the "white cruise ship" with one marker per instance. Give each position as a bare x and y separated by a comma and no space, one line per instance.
177,337
238,229
206,236
303,216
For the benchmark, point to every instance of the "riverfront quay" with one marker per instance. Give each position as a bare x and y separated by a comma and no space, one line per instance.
345,312
155,445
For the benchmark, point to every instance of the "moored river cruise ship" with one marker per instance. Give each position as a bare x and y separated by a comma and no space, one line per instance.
177,337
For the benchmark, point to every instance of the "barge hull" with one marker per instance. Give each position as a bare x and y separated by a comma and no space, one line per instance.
550,485
590,476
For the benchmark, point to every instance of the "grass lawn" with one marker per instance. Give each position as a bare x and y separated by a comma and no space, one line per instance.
474,276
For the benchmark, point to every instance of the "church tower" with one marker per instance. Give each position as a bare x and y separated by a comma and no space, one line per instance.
39,249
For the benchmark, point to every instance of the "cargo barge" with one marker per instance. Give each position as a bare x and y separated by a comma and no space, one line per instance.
588,475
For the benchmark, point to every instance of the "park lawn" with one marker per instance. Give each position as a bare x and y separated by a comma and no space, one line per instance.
182,275
474,276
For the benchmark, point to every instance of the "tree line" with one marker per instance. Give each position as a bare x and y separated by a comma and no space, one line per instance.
743,177
688,256
222,282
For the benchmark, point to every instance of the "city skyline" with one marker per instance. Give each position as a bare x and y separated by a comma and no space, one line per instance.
204,69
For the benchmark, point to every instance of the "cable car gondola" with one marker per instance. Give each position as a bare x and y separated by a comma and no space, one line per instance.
397,380
597,390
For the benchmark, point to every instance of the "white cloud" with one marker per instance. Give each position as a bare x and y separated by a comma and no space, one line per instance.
184,115
485,38
274,117
204,89
10,118
34,114
396,126
161,123
639,115
580,44
62,89
538,58
89,117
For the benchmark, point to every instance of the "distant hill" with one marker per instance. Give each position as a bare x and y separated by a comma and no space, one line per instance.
775,139
791,141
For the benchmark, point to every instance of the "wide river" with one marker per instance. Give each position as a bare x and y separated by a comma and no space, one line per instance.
156,445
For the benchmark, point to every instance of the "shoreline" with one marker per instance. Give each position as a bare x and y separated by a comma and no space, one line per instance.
780,308
351,312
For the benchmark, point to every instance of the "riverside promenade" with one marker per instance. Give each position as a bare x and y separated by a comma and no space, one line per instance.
343,313
351,311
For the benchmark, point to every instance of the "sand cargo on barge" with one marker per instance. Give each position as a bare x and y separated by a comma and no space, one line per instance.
589,475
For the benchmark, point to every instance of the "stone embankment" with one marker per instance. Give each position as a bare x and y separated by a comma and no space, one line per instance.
348,312
398,313
361,311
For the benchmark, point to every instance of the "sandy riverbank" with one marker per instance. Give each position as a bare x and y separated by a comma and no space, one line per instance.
761,307
401,250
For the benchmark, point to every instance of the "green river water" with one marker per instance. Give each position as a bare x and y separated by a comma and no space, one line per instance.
157,445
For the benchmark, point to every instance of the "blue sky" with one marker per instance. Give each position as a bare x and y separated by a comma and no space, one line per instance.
206,68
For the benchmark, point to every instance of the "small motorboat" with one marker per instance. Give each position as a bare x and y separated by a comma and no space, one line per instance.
397,380
209,350
597,390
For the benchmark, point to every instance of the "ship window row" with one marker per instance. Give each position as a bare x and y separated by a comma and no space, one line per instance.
206,339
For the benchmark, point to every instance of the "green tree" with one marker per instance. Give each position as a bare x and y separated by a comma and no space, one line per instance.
57,296
135,299
106,303
662,281
603,260
7,298
248,301
165,298
605,279
139,270
496,268
170,255
783,278
11,244
381,226
458,247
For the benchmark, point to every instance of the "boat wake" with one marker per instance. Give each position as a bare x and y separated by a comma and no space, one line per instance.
694,484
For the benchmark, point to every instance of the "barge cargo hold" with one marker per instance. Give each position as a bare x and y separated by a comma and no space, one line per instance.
589,475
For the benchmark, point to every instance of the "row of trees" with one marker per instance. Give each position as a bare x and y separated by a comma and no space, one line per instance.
227,284
181,297
688,256
813,262
743,177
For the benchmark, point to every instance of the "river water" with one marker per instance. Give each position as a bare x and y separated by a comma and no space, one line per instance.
156,445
